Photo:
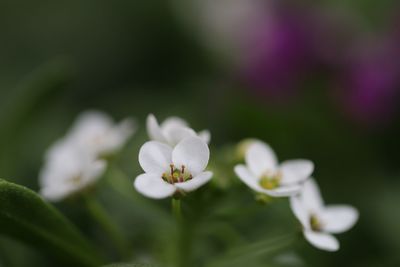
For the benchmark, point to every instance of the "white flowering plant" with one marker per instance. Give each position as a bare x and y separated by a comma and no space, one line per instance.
213,194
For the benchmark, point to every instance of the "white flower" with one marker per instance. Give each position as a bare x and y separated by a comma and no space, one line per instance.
68,170
263,174
172,130
74,162
224,24
172,170
319,221
98,134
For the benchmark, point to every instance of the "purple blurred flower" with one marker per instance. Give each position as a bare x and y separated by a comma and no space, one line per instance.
274,46
370,82
277,53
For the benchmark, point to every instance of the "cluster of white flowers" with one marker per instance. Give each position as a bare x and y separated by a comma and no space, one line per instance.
292,179
174,162
78,159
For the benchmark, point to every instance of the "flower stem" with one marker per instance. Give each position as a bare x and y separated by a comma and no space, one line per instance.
107,223
176,209
183,235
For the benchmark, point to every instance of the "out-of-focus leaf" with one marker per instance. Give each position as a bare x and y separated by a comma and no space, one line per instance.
24,215
240,256
25,101
27,95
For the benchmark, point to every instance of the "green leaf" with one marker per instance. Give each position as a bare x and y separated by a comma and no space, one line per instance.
24,215
240,256
26,96
23,103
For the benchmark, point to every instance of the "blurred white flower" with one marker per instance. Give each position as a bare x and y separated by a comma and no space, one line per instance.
172,130
319,221
67,170
172,170
96,133
263,174
75,161
222,25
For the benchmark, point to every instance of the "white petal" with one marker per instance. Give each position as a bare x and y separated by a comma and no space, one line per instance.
94,171
173,122
338,218
260,158
175,135
126,128
192,153
56,177
96,133
153,186
296,171
205,135
154,130
248,178
300,211
322,240
91,122
196,182
253,182
114,138
155,157
284,191
311,196
56,193
60,150
90,126
63,161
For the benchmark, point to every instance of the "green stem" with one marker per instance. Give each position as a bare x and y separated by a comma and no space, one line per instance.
102,217
183,235
176,209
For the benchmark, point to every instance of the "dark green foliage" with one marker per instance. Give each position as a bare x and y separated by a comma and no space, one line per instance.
24,215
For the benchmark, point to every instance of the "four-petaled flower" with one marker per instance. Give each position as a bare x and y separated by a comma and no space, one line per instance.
172,130
263,174
77,160
319,221
172,171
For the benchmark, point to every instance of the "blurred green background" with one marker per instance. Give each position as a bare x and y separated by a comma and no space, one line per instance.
131,58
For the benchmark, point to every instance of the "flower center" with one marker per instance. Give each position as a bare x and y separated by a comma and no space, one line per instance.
176,175
270,180
315,223
76,180
98,139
